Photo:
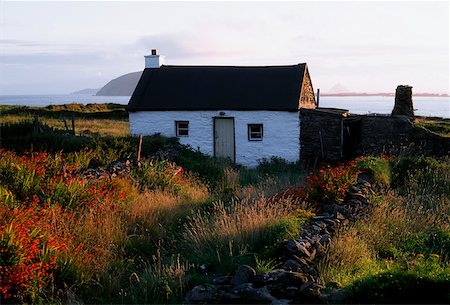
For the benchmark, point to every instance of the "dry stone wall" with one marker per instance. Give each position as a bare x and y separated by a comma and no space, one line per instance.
321,134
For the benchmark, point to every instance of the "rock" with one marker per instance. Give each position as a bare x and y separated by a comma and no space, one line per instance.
334,208
355,202
364,178
292,246
202,294
340,216
292,265
222,280
244,274
321,216
358,196
247,293
354,189
280,276
325,240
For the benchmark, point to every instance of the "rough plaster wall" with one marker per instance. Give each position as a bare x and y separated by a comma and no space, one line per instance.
281,131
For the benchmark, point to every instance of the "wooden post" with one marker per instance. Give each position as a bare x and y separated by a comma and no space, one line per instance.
318,97
73,125
139,149
65,125
36,124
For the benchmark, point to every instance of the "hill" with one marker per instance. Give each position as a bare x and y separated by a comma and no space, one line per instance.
122,86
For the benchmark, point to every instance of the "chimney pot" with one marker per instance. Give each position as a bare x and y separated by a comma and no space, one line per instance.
154,60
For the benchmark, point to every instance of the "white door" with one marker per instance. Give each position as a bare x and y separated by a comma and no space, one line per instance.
224,138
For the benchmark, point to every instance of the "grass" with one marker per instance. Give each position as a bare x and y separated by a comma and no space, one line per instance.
402,248
437,126
171,224
134,239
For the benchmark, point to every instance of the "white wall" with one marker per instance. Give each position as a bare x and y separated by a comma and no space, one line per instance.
281,131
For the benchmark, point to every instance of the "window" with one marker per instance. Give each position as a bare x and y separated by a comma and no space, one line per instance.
182,128
255,132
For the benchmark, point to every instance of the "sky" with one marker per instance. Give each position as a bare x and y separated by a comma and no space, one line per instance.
59,47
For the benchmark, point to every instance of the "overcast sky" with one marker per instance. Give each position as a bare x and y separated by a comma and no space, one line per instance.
61,47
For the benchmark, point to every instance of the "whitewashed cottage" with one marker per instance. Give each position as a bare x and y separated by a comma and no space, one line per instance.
238,112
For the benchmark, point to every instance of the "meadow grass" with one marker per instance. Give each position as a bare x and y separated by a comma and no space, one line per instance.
150,236
403,244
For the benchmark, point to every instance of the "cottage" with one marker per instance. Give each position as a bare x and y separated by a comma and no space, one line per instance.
237,112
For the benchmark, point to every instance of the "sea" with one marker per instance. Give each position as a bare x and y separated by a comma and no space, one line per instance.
424,106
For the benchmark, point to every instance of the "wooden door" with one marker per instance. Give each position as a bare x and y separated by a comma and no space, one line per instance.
224,138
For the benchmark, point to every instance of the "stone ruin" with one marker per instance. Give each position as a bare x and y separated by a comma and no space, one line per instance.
403,101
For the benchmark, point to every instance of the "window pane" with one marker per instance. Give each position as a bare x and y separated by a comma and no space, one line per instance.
183,125
183,132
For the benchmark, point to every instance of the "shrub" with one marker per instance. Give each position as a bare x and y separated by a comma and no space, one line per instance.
208,168
330,184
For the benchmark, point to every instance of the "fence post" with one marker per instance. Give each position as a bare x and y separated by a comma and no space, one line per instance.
73,125
139,149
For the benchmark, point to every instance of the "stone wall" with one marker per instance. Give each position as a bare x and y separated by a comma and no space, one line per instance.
384,134
321,133
307,98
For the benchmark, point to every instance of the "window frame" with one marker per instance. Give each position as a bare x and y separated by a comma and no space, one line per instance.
178,129
250,133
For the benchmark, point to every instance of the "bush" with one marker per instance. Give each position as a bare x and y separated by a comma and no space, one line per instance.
329,184
208,168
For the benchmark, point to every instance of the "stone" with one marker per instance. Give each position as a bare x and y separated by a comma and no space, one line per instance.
247,293
321,216
203,294
355,202
333,208
294,247
222,280
292,265
354,189
340,216
244,274
358,196
326,239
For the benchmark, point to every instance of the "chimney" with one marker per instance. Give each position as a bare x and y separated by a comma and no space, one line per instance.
403,101
154,60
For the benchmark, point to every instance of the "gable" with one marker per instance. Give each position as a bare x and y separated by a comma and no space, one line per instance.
219,87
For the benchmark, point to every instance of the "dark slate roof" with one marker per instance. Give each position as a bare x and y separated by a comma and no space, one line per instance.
218,88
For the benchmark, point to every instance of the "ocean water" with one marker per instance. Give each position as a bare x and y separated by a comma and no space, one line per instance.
45,100
423,106
426,106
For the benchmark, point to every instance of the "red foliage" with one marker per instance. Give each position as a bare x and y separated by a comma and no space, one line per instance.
47,194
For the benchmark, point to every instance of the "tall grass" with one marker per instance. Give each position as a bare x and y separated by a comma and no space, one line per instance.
226,233
404,241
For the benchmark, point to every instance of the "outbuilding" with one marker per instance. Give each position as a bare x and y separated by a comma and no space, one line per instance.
244,113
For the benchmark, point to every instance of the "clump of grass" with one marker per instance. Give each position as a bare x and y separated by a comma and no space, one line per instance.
379,168
424,170
221,235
